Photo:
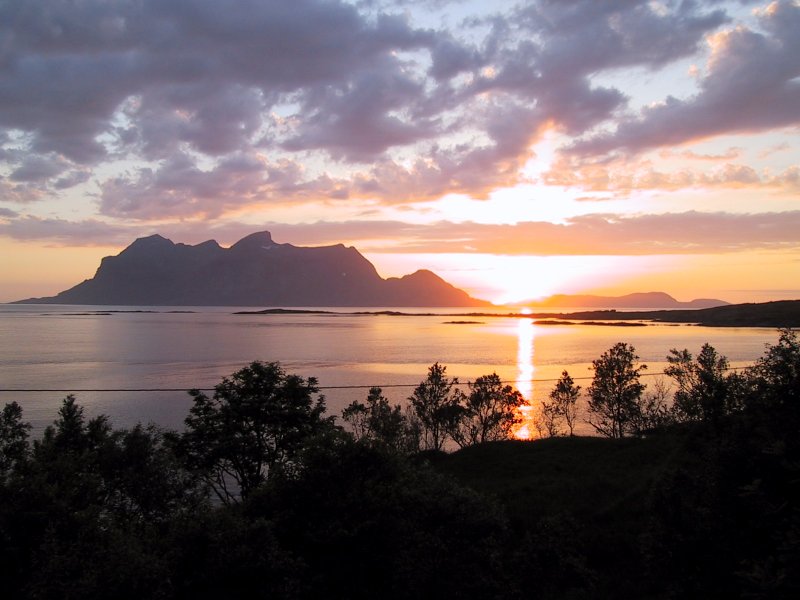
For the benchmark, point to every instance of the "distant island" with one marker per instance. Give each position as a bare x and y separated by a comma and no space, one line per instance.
255,271
781,313
654,300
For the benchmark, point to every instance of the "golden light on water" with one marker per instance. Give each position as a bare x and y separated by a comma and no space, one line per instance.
525,357
525,430
525,369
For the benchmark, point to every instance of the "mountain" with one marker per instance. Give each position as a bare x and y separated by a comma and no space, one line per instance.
638,300
255,271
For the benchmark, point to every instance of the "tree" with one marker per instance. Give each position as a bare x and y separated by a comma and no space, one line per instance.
84,515
13,437
703,385
489,413
378,422
615,391
562,406
127,476
357,416
774,388
251,428
550,423
437,405
363,523
777,373
653,413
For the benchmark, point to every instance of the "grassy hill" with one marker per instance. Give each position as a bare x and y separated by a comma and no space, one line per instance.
585,502
665,516
587,477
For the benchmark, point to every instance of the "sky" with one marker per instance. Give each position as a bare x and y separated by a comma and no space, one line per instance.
516,149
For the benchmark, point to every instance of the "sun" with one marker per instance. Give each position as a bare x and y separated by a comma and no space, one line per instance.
516,279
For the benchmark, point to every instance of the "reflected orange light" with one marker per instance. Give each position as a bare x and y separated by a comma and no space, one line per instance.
525,429
523,433
525,336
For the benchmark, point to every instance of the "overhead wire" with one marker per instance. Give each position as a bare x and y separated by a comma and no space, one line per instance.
321,387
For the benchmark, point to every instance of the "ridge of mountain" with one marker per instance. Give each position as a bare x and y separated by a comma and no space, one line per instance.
636,300
255,271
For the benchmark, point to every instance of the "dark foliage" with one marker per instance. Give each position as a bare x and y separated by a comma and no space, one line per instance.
13,438
251,428
562,406
379,423
615,392
368,524
488,413
83,512
437,405
686,511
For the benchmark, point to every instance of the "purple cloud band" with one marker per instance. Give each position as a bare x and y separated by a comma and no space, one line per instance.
214,105
673,233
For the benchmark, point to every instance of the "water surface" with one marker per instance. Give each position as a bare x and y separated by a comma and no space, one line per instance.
87,347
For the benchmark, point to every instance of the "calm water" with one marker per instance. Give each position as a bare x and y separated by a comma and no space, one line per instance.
70,348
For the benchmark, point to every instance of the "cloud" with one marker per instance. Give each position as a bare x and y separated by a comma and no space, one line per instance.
90,232
72,178
362,119
775,149
21,193
730,154
579,39
751,85
655,234
216,65
178,187
624,176
369,97
39,168
672,233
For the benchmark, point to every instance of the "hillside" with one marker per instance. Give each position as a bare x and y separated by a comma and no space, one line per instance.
588,497
255,271
781,313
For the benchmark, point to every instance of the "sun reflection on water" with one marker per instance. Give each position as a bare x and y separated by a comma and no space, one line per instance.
526,430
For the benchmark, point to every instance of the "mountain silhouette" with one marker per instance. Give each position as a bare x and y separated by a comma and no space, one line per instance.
255,271
636,300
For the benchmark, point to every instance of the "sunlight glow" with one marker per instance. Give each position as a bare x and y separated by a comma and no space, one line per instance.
504,279
525,368
525,357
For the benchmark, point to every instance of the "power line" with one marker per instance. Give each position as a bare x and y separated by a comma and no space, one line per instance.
322,387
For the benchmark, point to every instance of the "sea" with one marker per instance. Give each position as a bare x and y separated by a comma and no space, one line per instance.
135,364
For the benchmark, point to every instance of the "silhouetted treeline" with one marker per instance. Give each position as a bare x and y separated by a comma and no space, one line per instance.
263,495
